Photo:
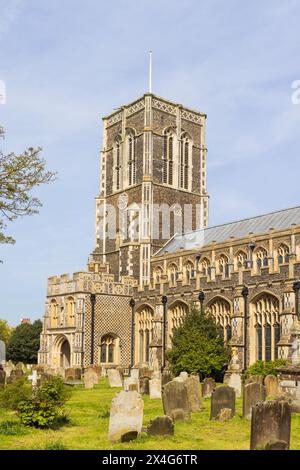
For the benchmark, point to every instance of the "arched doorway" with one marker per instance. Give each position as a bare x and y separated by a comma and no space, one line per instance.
65,354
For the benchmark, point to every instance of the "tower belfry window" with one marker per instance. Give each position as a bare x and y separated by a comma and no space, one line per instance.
131,161
168,157
184,162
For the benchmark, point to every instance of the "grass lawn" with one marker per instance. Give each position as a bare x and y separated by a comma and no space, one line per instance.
89,427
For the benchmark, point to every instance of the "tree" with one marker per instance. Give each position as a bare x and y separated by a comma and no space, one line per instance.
5,331
198,348
19,174
24,343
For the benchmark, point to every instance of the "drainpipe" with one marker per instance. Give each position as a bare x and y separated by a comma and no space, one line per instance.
245,293
164,300
93,301
132,305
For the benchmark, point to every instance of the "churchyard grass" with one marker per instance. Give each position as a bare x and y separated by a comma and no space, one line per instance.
88,428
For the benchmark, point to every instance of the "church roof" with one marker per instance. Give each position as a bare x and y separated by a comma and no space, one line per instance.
220,233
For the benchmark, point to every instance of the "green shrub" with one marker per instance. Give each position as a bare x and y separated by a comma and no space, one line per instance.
265,368
46,408
12,428
13,394
198,348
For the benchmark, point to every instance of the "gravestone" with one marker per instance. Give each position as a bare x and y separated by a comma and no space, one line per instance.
126,416
135,373
73,373
175,397
184,375
90,378
114,378
222,397
133,387
253,393
193,392
131,381
144,385
2,378
255,379
180,415
208,386
20,366
154,388
33,378
161,426
270,424
15,375
272,385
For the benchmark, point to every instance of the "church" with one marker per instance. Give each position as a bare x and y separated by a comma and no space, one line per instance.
155,255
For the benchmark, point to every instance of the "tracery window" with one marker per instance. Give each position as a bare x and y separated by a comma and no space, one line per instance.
176,315
168,157
108,346
261,258
221,311
144,331
205,266
172,274
222,265
157,274
70,310
283,254
185,149
265,312
189,271
241,260
53,313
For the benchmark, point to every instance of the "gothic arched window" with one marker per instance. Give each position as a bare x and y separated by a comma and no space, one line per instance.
70,310
220,309
168,157
185,150
157,274
131,142
283,254
240,260
144,331
53,313
108,346
261,258
172,274
222,265
189,271
265,312
205,266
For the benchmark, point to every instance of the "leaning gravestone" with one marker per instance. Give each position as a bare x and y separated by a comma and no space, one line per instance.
73,373
272,385
222,397
114,378
161,426
193,392
154,388
175,397
270,425
126,416
2,378
90,378
208,386
253,393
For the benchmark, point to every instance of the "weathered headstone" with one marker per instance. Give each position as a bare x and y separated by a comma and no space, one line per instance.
15,375
270,424
73,373
272,385
161,425
222,397
126,416
33,378
178,414
90,378
2,352
131,381
154,388
184,375
20,366
114,378
2,378
253,393
254,379
144,385
133,387
135,373
193,392
175,396
208,386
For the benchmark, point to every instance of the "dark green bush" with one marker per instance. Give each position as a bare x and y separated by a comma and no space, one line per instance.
198,348
13,394
46,408
265,368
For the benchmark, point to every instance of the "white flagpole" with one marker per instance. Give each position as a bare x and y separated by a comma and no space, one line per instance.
150,71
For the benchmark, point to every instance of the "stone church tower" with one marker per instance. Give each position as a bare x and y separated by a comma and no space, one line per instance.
153,183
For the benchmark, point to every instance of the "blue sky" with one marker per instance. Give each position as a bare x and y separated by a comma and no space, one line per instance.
67,63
